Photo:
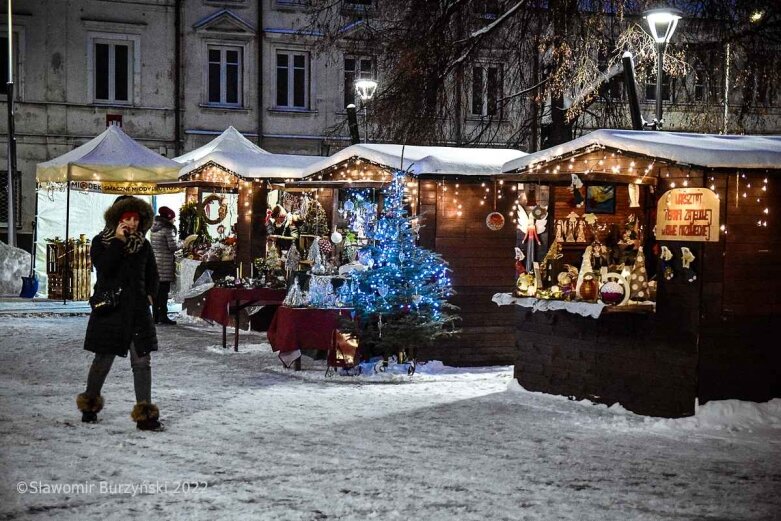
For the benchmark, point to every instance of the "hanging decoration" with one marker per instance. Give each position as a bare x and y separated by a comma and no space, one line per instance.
520,268
667,268
686,260
222,209
495,220
577,195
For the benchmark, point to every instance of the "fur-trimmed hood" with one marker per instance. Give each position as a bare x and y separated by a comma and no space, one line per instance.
130,204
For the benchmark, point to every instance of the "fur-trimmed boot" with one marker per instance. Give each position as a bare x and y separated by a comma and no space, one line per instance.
147,417
89,406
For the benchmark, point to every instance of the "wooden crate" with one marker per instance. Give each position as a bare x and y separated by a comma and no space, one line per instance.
79,280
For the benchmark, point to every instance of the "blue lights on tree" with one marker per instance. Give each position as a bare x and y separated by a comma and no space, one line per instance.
401,298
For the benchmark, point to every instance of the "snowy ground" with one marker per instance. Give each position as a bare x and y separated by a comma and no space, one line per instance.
260,442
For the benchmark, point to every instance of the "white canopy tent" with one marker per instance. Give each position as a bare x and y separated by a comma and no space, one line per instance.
86,181
237,154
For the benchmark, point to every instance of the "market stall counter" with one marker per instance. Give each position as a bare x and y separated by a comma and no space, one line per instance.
221,303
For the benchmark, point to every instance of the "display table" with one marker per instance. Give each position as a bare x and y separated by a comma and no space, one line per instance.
293,329
221,303
586,309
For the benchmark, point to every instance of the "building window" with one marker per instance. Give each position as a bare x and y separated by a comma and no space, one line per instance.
700,84
224,75
486,90
292,79
355,68
4,198
112,71
4,64
650,87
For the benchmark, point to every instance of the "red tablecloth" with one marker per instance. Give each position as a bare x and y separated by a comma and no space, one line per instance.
303,328
218,300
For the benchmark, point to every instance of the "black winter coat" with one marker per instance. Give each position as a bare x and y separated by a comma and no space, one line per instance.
136,274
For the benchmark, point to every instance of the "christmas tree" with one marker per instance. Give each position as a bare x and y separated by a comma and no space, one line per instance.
315,219
400,301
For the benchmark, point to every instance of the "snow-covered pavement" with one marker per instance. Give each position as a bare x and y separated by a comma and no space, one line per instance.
250,440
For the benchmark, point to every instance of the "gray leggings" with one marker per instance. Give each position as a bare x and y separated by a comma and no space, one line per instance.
142,374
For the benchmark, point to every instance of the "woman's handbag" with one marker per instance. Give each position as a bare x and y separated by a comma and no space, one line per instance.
105,301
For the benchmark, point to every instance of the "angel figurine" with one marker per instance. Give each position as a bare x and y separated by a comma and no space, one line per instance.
531,227
560,230
572,224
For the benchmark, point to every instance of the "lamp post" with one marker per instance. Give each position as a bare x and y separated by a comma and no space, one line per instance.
11,221
365,90
662,23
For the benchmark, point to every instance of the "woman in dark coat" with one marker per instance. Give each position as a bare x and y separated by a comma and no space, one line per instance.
163,239
123,260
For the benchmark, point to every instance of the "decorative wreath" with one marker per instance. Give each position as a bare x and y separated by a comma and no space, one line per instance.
222,212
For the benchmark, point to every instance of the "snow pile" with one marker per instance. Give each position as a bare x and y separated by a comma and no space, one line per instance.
729,415
722,415
15,264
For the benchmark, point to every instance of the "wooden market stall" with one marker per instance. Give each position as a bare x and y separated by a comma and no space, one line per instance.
231,163
704,211
452,191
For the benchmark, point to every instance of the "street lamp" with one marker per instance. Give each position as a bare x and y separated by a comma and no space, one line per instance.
662,23
365,90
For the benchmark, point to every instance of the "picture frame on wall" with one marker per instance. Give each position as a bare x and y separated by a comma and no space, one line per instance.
600,198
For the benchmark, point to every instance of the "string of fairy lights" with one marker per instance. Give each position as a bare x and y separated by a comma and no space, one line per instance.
357,169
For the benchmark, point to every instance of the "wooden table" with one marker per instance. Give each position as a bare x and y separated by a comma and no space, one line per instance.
293,329
222,303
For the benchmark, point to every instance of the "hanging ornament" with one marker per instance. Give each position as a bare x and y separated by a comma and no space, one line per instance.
686,259
520,269
326,248
577,195
495,220
667,268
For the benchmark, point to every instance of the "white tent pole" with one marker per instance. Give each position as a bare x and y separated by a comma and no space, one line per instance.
65,273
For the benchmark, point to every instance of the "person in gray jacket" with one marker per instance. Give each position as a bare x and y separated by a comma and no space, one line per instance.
164,245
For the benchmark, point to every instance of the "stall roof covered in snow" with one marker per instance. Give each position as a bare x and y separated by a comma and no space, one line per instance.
238,154
113,157
424,160
705,150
